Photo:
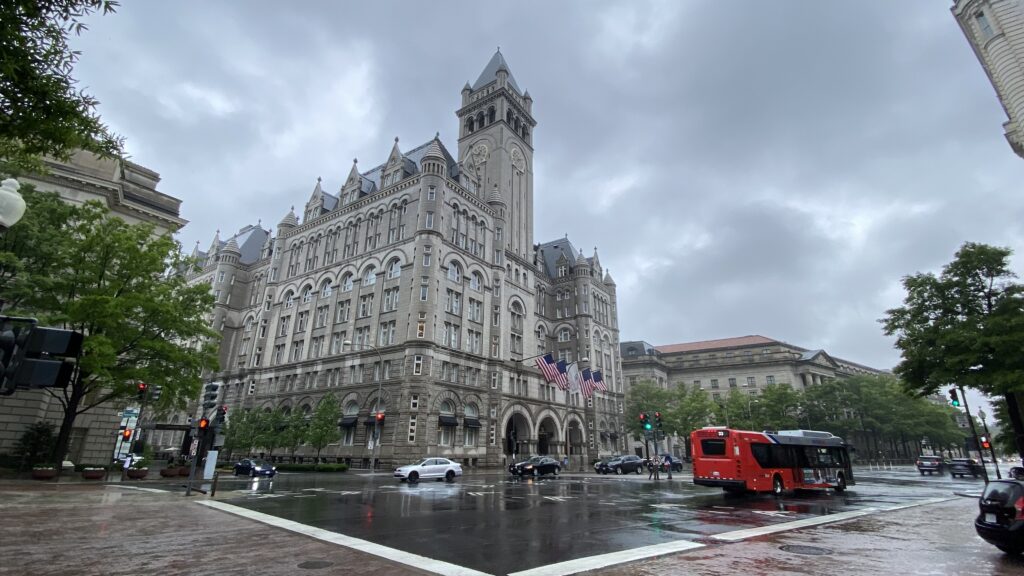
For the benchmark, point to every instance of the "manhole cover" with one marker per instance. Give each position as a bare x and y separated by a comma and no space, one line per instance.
315,564
805,550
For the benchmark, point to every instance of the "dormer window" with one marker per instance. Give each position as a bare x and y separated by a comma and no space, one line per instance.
562,271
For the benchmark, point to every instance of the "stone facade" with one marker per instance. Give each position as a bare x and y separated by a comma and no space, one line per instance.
746,364
129,191
995,30
417,289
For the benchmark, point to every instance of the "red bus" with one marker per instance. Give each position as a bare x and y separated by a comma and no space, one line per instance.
742,461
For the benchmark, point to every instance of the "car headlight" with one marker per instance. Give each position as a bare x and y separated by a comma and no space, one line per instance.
529,466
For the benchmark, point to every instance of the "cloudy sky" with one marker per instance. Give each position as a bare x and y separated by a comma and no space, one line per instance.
743,167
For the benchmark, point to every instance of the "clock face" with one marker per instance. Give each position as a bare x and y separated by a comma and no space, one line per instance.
518,161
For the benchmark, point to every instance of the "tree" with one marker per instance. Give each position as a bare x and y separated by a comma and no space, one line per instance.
35,444
84,269
323,427
242,431
964,327
645,397
295,429
41,111
270,434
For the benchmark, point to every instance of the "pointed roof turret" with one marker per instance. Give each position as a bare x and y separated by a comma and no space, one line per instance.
232,246
433,149
396,154
289,220
495,197
608,278
353,174
317,190
490,73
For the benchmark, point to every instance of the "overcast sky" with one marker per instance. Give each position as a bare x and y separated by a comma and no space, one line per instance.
748,167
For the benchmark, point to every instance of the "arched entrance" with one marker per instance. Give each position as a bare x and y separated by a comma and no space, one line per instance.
546,436
517,434
574,438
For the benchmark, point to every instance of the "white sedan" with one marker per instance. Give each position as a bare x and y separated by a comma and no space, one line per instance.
429,468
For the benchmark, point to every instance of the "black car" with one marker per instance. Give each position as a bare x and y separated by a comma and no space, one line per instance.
965,466
1000,520
251,467
931,464
677,464
537,466
623,465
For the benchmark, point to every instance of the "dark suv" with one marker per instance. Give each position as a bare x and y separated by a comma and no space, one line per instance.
625,464
963,466
1000,520
931,465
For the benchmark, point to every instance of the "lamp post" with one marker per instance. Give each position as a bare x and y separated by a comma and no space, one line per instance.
376,418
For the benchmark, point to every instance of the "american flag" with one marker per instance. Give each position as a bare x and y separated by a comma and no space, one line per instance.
563,378
550,370
599,381
588,383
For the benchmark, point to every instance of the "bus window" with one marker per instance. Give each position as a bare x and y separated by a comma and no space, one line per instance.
773,455
712,447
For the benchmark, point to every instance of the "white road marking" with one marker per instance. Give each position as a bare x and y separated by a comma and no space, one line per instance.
737,535
480,493
409,559
139,488
775,513
920,503
559,498
610,559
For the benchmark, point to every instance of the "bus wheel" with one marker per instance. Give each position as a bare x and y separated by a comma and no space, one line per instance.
778,488
840,483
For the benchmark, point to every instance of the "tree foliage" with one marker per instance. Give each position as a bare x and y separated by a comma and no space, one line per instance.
84,269
963,327
41,110
323,426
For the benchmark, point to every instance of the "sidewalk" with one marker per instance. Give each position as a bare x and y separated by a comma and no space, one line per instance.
79,528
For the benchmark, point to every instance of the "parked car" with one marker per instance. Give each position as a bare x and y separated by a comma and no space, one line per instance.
964,466
677,464
429,468
931,465
252,467
538,466
625,464
601,466
1000,520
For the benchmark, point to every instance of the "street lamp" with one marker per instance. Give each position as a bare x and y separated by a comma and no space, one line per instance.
377,412
12,205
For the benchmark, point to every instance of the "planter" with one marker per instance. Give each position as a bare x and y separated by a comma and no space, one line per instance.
168,472
183,470
94,474
48,474
138,473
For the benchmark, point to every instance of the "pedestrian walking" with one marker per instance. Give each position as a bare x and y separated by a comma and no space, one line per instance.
668,462
654,466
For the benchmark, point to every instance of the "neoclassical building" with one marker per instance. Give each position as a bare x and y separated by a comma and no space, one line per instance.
995,30
420,278
744,364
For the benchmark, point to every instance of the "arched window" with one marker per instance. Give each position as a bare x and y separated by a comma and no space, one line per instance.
508,116
370,278
289,299
346,283
454,271
395,269
490,114
307,294
517,316
448,408
475,281
325,290
470,124
480,119
446,433
248,325
564,335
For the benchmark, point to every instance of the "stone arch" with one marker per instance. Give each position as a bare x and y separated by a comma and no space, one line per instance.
449,396
575,434
516,425
547,432
371,404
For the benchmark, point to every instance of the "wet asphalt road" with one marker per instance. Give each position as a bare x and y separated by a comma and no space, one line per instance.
495,524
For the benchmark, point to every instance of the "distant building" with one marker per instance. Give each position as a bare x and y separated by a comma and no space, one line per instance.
995,30
745,364
427,265
130,192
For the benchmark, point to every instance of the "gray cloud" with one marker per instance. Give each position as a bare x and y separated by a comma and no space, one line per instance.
743,167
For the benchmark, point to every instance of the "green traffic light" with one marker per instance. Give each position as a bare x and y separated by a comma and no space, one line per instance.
647,426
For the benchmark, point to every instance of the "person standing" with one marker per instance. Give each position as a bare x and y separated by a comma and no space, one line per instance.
668,463
655,468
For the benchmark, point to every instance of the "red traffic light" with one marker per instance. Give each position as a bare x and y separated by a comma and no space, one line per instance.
985,443
204,423
127,434
380,416
657,415
643,417
142,386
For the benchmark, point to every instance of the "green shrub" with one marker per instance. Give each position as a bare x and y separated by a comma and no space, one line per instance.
312,467
35,445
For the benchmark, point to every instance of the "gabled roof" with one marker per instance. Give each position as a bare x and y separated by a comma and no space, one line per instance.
550,252
411,161
714,344
490,73
810,355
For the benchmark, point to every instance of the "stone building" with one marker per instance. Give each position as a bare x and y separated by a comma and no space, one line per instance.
417,289
129,191
995,30
746,364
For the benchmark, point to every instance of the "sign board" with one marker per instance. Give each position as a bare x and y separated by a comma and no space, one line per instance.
195,446
211,465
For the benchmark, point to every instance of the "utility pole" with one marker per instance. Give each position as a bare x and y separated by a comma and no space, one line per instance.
974,431
991,446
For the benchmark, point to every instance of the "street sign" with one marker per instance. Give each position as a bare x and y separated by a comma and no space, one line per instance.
194,448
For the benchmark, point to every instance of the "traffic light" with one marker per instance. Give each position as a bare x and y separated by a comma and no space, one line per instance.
32,356
212,391
645,421
954,399
657,419
985,444
204,423
126,434
142,387
155,395
218,417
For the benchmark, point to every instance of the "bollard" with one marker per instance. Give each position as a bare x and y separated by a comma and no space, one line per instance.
213,489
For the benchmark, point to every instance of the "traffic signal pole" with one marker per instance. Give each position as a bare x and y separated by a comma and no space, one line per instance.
974,431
